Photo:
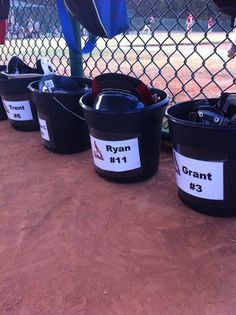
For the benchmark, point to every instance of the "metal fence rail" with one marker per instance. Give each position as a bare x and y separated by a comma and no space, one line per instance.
162,53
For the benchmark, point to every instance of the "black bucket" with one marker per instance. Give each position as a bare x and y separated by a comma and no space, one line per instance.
18,103
205,161
3,115
63,128
125,145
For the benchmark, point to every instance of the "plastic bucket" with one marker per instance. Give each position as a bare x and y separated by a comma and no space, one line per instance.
18,103
3,115
63,128
125,145
205,162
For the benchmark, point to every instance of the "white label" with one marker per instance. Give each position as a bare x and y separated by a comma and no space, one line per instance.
49,84
18,110
44,129
199,178
116,156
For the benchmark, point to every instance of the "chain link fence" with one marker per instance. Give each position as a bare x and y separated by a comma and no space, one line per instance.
186,60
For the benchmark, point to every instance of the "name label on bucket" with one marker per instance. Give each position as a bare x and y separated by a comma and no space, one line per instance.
44,129
18,110
202,179
116,156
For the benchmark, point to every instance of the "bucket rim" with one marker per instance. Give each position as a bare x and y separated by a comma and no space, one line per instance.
55,94
191,123
162,103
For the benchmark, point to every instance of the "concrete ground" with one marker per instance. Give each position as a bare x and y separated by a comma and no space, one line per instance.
72,243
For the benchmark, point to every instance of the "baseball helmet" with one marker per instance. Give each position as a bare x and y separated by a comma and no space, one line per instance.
124,84
18,66
63,85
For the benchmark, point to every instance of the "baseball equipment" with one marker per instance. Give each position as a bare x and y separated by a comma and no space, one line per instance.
18,66
124,84
101,18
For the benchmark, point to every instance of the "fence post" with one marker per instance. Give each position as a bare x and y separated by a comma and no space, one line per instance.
76,63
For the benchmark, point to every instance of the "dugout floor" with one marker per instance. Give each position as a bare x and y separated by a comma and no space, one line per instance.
72,243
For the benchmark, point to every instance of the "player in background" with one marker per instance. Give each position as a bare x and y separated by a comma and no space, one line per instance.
190,20
210,23
147,27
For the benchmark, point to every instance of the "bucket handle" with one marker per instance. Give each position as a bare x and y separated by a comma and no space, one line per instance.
63,106
55,99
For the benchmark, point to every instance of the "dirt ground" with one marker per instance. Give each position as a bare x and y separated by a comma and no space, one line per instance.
73,243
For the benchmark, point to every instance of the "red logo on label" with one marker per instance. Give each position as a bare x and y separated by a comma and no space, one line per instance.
97,152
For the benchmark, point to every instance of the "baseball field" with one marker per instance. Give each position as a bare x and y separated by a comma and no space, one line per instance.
186,67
